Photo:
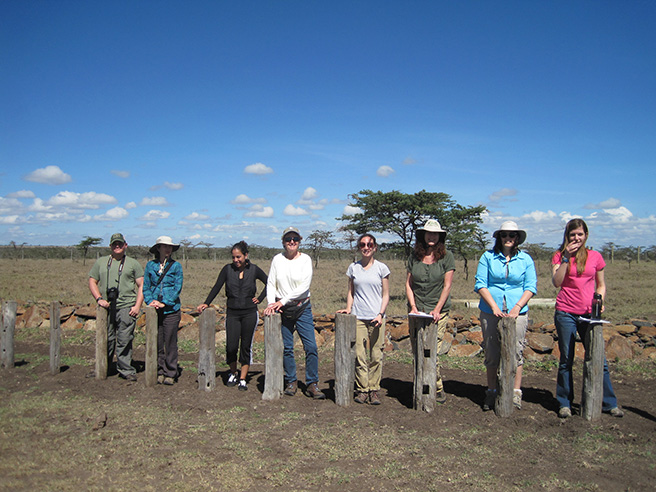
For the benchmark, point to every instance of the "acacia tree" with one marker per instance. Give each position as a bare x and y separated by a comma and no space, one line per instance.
85,244
401,214
317,241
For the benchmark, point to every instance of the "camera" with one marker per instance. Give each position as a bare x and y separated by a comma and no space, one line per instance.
112,294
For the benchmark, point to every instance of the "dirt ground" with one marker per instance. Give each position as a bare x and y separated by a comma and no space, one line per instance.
465,447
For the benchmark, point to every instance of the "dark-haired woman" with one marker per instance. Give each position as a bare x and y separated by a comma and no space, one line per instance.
505,280
428,284
240,279
367,298
579,273
161,289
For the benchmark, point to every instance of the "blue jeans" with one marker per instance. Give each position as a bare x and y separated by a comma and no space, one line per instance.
567,325
304,325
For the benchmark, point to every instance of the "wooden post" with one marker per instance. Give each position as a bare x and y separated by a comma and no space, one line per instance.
425,363
345,325
7,339
55,338
151,346
274,374
206,350
593,372
503,406
102,320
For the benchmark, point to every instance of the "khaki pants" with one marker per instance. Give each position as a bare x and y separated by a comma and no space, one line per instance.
368,355
441,330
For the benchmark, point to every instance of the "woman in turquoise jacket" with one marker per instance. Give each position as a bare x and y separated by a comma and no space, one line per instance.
161,289
505,280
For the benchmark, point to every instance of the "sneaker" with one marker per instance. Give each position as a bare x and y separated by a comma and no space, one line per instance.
564,413
374,399
490,398
242,385
290,389
440,397
314,391
517,399
233,379
168,381
361,397
616,412
128,377
160,379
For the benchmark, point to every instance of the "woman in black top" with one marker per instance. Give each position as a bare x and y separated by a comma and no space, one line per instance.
242,316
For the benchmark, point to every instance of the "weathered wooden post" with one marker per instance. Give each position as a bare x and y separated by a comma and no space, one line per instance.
344,358
206,350
102,319
8,329
425,363
503,406
151,346
55,338
274,374
593,372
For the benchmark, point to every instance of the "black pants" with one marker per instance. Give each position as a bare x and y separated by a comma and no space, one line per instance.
167,343
240,326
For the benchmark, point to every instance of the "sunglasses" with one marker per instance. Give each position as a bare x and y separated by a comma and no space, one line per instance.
117,244
511,235
296,239
367,245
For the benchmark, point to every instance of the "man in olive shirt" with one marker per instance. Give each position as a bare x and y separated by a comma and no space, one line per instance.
115,281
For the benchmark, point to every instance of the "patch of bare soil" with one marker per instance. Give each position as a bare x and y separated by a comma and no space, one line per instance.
533,449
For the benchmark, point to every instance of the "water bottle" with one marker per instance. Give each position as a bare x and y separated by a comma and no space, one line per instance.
596,306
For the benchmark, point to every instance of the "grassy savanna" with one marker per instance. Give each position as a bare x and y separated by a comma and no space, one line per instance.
66,432
629,286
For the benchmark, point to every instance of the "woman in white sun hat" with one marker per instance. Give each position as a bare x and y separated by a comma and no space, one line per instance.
161,289
428,284
505,280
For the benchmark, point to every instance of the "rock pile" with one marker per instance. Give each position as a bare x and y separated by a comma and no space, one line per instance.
636,338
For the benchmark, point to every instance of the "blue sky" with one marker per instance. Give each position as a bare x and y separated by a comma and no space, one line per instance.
218,121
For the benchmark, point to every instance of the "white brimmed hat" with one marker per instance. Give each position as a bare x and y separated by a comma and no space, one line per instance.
164,240
510,226
432,225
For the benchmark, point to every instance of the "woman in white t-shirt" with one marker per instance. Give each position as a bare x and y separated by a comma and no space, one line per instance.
367,299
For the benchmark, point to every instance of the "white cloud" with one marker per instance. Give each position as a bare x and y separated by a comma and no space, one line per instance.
155,215
351,210
196,216
408,161
195,237
259,211
130,205
10,205
39,205
11,219
49,175
610,203
89,199
258,168
116,213
309,194
294,211
120,174
384,171
21,194
619,214
539,216
502,193
243,199
173,186
154,201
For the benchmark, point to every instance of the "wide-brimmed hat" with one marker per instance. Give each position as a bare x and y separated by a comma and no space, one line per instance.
432,225
164,240
117,236
291,229
511,226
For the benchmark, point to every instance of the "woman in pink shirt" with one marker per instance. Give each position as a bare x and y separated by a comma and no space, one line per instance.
579,273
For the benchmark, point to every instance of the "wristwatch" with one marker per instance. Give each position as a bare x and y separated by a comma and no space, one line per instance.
564,259
98,298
